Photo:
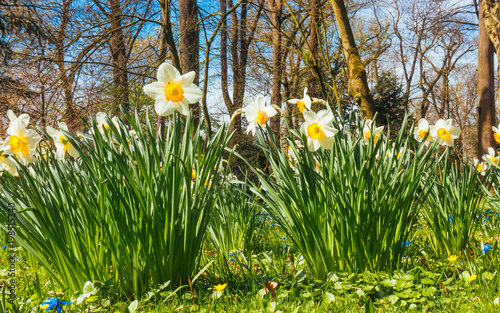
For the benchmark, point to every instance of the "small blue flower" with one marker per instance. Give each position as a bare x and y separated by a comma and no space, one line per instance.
284,238
55,304
407,244
4,247
487,248
271,225
450,220
285,246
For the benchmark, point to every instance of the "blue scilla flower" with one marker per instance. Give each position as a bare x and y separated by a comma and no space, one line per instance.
487,248
55,304
285,246
232,255
272,224
4,247
405,244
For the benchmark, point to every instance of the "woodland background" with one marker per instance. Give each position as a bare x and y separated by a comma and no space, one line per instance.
69,59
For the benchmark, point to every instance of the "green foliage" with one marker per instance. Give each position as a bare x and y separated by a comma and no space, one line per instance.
355,212
130,210
454,204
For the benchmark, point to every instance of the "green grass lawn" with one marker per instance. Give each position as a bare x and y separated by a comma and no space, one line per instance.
273,278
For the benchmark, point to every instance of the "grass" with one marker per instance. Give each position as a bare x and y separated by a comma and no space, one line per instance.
426,282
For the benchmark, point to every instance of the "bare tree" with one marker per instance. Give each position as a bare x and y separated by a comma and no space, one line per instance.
485,88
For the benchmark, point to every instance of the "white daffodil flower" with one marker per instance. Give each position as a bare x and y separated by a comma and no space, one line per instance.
491,156
444,132
62,144
21,141
7,163
422,130
496,133
258,113
481,167
367,128
25,118
173,91
102,121
319,129
302,104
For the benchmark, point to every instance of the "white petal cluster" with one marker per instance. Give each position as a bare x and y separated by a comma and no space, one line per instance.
257,113
319,129
61,142
173,91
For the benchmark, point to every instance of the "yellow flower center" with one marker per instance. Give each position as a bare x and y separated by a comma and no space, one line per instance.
479,168
193,175
18,144
497,137
65,142
398,156
301,105
493,160
262,118
443,134
174,92
314,131
422,134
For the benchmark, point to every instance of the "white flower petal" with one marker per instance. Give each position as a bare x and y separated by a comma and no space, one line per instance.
182,107
310,117
167,73
164,108
326,142
270,111
155,90
186,80
193,94
325,117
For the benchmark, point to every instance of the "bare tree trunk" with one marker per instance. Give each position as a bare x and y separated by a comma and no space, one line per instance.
118,59
358,85
189,45
167,41
69,115
276,8
312,81
485,89
240,43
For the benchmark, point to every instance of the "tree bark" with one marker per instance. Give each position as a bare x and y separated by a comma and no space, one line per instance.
69,115
276,8
119,59
189,44
358,85
485,88
167,43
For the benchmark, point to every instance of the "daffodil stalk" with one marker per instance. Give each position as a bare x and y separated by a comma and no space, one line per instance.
127,208
345,202
454,203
